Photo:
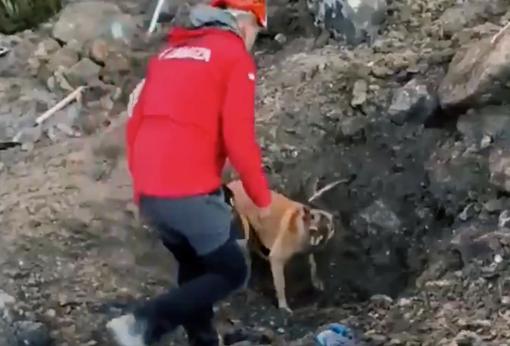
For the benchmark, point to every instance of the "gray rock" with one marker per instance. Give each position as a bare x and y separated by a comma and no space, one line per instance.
14,63
83,72
468,338
5,301
46,47
307,340
466,14
503,218
280,14
21,101
28,135
31,333
381,300
455,174
499,166
379,214
280,38
494,205
359,93
378,339
99,50
478,74
455,19
77,46
351,126
64,57
349,19
88,20
7,337
116,66
491,123
28,146
413,102
475,241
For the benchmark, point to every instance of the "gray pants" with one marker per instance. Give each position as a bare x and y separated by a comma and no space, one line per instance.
197,230
204,220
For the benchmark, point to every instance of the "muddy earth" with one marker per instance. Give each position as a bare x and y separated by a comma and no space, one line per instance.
409,111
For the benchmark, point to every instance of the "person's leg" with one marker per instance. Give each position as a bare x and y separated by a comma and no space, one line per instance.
128,330
205,223
201,332
226,271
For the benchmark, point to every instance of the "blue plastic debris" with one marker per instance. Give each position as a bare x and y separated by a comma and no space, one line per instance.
336,335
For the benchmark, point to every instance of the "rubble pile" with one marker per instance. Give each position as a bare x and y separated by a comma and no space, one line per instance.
405,101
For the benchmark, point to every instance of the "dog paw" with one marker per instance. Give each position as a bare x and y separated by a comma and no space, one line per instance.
318,284
284,307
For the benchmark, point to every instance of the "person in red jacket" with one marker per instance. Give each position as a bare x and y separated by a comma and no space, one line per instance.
193,111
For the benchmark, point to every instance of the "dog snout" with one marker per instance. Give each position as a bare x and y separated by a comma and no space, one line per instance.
316,239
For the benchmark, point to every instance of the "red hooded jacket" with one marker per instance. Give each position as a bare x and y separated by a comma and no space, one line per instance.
196,108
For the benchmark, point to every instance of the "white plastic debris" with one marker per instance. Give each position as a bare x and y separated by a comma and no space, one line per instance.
4,51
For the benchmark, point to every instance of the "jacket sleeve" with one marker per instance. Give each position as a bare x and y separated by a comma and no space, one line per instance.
133,123
238,123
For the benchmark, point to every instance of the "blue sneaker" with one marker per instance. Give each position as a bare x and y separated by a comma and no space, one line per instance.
336,335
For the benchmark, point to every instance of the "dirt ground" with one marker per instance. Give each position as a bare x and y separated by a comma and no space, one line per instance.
72,253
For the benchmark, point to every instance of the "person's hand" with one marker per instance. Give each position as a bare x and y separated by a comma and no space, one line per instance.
264,212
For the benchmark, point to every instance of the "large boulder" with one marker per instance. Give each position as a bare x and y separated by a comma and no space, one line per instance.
18,15
482,127
457,176
85,21
479,74
469,13
352,20
415,102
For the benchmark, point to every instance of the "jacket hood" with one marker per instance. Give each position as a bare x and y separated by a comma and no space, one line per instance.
201,18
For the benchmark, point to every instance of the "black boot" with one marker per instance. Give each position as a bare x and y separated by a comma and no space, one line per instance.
205,336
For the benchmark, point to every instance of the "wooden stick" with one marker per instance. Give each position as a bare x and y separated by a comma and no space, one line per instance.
50,112
327,188
155,17
496,37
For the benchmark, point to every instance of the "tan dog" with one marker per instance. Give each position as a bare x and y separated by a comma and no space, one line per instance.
291,228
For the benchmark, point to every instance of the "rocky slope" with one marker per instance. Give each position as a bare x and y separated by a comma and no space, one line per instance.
416,124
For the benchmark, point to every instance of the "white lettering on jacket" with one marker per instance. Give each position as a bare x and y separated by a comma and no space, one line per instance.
186,52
